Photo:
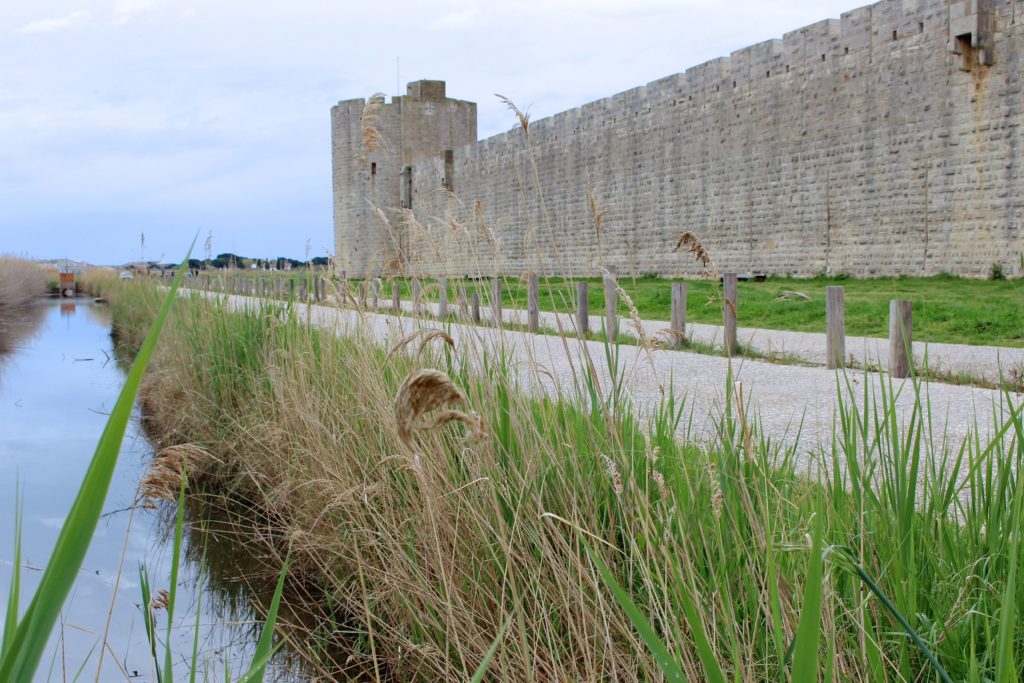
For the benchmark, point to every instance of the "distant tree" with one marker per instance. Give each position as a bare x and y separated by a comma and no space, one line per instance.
320,261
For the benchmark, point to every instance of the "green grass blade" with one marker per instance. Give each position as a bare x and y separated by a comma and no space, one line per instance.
172,589
485,663
907,628
147,619
263,648
1006,668
20,661
11,619
805,648
199,612
668,665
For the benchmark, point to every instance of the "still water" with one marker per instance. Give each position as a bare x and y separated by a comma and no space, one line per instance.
58,382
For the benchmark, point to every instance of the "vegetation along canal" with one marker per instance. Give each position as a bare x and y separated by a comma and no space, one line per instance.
59,378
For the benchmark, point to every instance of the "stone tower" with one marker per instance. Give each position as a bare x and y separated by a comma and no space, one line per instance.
420,125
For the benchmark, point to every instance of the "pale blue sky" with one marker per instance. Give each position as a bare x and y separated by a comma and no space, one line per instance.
171,117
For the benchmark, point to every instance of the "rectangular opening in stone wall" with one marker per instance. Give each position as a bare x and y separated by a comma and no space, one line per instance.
373,168
965,52
823,58
767,74
920,27
895,36
787,68
846,50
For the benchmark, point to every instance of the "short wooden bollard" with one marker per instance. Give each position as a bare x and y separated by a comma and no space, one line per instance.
291,289
583,308
396,300
442,298
729,309
835,328
463,301
611,309
901,338
678,318
280,288
533,302
303,289
414,287
362,295
474,307
496,300
375,299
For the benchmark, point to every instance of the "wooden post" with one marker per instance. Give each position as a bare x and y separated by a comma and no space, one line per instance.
678,321
474,307
414,287
533,302
496,300
291,288
442,298
463,300
835,328
729,309
375,289
396,300
303,289
611,312
900,338
362,294
583,308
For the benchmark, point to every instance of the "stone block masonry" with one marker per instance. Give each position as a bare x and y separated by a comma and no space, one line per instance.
886,142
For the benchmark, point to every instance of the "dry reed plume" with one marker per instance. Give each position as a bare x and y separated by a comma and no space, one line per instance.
423,392
163,478
373,140
694,246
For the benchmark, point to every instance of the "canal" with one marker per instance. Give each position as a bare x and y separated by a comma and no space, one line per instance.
59,379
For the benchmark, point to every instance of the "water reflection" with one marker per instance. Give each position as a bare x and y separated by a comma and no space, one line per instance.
57,387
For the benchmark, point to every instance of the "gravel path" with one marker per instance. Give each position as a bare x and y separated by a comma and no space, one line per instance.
790,401
984,362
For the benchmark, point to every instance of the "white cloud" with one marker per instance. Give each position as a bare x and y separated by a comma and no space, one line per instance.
56,24
190,13
124,10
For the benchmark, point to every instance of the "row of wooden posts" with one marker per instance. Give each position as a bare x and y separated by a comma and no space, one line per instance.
314,289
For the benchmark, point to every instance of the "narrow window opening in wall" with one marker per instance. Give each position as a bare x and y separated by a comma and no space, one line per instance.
894,34
846,50
920,27
823,58
373,168
787,68
734,84
767,74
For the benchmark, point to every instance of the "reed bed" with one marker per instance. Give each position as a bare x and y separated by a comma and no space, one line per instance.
21,283
436,514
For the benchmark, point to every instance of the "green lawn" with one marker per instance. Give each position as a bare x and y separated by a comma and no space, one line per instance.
946,309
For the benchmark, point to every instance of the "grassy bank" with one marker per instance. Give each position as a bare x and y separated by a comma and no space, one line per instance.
423,539
946,309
